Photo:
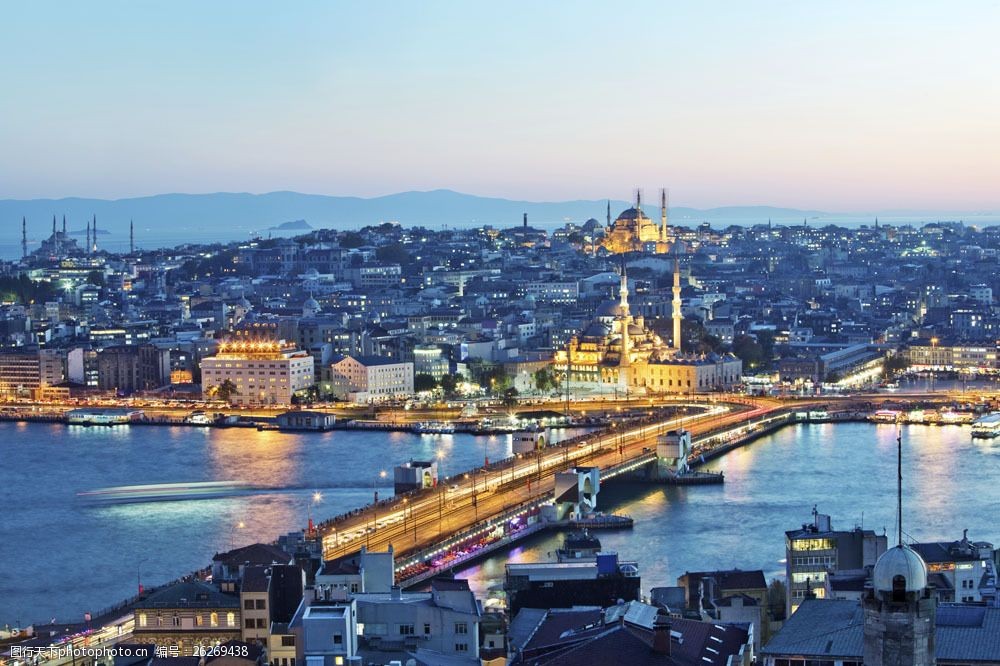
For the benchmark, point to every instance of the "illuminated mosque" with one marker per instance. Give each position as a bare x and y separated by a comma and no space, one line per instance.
616,352
632,231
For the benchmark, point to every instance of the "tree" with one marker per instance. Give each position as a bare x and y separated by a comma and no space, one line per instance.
748,350
226,390
393,253
449,384
509,397
96,278
545,380
351,239
424,382
24,290
776,600
895,365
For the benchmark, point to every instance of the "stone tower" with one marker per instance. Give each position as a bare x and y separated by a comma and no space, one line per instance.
899,612
900,609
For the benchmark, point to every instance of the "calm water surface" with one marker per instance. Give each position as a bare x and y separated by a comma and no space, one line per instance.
67,558
847,470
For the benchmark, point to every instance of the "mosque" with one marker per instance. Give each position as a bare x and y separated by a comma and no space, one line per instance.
617,353
632,231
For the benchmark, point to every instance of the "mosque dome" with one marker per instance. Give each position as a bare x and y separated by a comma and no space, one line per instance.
609,309
900,561
311,306
596,330
632,214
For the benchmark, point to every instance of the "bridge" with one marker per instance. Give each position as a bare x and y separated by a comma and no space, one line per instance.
479,501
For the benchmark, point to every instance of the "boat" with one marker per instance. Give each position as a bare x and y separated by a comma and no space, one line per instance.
435,428
198,417
103,416
165,492
986,427
579,547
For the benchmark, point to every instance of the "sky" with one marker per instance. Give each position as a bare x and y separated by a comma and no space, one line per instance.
838,106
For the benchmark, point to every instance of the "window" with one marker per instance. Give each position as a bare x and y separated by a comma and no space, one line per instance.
461,628
427,629
261,604
262,623
199,620
176,620
338,639
406,630
248,604
231,619
461,647
250,623
288,641
142,619
213,619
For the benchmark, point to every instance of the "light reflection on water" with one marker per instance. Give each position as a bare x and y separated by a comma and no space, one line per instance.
70,558
848,470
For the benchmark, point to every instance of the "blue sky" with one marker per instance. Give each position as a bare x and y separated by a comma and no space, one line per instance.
837,106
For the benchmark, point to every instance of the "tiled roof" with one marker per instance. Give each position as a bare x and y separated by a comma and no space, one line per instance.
189,594
821,627
835,628
255,553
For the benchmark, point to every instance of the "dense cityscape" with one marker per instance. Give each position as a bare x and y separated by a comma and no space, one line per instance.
543,334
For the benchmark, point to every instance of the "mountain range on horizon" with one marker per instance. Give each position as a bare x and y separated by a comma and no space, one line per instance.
244,212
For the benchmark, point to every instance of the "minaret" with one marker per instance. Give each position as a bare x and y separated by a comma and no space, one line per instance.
94,232
64,226
677,303
525,221
609,214
624,361
86,248
623,294
131,235
663,215
24,237
55,238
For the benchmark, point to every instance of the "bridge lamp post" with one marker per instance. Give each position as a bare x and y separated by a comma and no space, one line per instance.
406,502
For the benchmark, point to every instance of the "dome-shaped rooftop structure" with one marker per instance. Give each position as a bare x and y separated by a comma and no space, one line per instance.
609,309
900,561
632,214
596,331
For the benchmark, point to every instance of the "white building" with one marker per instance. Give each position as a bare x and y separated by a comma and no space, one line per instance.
365,379
443,621
262,373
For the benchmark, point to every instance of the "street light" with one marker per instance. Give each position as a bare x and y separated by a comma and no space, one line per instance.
317,497
232,533
138,574
381,475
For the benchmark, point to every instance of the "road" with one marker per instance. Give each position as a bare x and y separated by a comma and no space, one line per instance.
411,523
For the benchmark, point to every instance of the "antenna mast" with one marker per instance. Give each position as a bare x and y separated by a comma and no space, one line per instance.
899,482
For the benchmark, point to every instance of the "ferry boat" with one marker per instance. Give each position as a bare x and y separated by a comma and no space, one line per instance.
198,417
102,416
579,547
986,427
435,428
165,492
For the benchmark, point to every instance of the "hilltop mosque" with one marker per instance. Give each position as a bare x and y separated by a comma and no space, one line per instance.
632,231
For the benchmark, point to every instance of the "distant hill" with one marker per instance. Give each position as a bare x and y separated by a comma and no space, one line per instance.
241,213
167,220
294,225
